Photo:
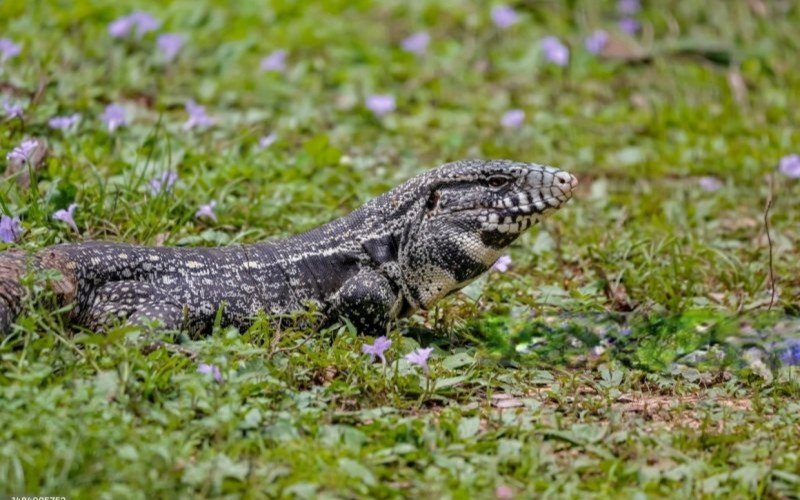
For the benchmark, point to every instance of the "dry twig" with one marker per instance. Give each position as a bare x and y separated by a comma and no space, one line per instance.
770,197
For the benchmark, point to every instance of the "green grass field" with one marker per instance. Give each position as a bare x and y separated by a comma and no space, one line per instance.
632,349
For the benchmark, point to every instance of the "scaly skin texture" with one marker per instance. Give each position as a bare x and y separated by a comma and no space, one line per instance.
398,253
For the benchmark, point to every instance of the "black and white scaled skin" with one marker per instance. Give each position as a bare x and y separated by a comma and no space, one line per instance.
396,254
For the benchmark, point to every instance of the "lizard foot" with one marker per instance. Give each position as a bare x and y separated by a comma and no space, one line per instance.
368,301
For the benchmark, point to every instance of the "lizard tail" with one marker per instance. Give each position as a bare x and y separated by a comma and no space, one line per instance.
14,264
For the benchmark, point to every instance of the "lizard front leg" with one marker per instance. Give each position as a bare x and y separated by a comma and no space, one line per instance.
368,301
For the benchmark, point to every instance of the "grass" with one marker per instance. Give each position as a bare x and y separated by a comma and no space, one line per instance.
629,350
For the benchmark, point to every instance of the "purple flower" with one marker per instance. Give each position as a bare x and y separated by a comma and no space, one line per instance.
24,152
503,16
114,116
274,62
596,42
212,370
207,211
64,122
709,184
376,349
502,264
8,49
163,183
790,166
120,28
629,25
142,22
197,116
267,140
66,216
555,51
416,43
169,44
512,118
625,332
791,355
628,7
12,110
419,357
381,104
10,228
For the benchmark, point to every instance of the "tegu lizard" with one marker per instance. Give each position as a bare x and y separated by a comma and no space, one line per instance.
398,253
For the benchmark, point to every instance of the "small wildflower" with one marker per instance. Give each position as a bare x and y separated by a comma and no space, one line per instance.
791,355
12,110
377,349
416,43
629,25
197,116
64,122
212,370
709,184
381,104
120,28
169,44
10,228
625,332
266,141
141,22
24,152
502,264
596,42
274,62
144,23
790,166
419,357
555,51
503,492
504,16
67,216
512,118
114,116
207,210
163,183
628,7
8,49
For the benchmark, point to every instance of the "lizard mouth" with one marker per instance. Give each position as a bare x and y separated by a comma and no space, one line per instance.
515,219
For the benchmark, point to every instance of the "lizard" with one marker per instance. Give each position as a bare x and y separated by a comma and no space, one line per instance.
398,253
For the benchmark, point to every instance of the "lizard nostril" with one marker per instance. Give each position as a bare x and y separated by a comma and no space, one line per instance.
566,180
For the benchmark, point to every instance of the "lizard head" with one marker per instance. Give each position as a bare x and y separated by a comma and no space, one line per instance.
468,213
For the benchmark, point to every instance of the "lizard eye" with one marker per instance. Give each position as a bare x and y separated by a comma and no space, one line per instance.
497,181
